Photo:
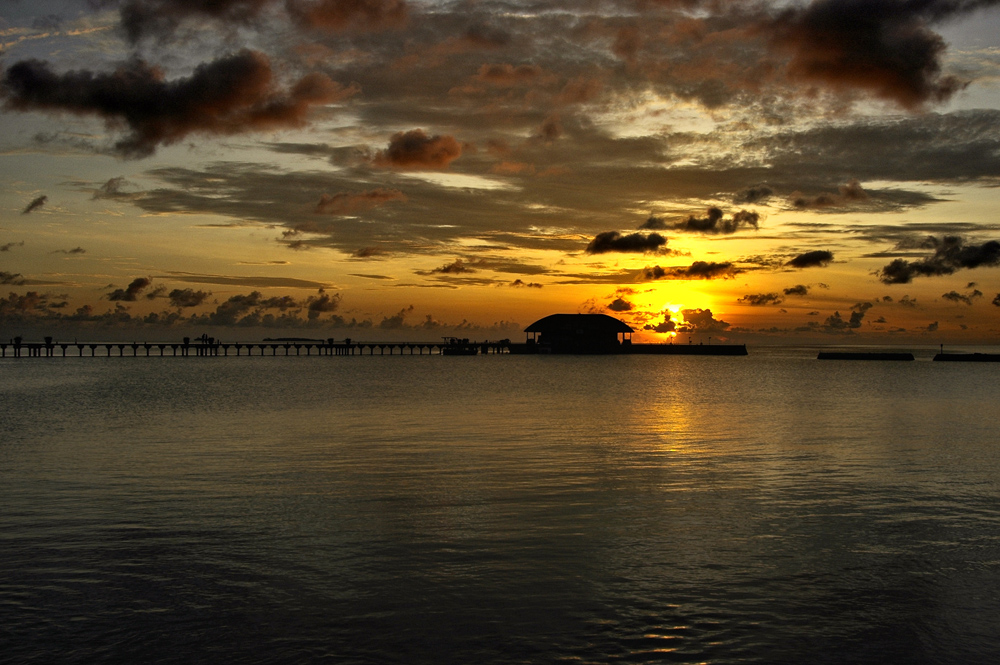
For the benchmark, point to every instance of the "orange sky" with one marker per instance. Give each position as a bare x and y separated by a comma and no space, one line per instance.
753,171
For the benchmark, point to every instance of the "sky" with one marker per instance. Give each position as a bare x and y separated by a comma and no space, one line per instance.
751,171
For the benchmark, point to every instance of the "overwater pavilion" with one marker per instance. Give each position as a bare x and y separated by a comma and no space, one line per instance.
578,333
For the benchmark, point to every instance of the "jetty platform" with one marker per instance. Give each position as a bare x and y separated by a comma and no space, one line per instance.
686,349
627,348
968,357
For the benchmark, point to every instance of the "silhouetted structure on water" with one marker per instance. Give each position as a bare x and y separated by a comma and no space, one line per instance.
577,333
209,347
459,346
603,334
557,333
968,357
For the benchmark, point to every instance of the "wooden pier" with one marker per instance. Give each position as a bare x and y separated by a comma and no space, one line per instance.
211,348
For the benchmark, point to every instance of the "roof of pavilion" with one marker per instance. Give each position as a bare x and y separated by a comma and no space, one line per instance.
583,323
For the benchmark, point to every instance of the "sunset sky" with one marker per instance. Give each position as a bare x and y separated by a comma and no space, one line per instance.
392,169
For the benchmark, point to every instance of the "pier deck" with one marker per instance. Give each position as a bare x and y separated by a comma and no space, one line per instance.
223,349
202,347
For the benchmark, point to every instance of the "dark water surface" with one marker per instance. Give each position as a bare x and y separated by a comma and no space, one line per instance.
499,509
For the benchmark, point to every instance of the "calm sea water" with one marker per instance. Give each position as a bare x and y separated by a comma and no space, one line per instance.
499,509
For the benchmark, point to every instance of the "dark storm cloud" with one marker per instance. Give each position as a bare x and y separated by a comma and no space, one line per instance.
763,261
836,323
959,146
613,241
701,321
368,253
235,308
519,283
627,43
261,194
131,292
818,257
912,239
697,270
416,150
760,299
341,15
505,265
550,129
252,309
996,300
617,277
577,147
141,18
35,204
715,222
11,278
232,95
321,303
503,74
160,18
957,297
187,297
158,292
113,189
580,90
241,310
755,194
394,97
282,303
885,47
654,224
259,282
620,305
6,247
667,325
49,22
797,290
951,253
847,194
15,305
397,321
349,203
456,267
74,251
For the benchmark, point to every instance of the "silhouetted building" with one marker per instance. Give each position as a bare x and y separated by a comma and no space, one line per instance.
578,333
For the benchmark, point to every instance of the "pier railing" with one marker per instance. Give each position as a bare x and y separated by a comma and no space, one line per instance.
201,348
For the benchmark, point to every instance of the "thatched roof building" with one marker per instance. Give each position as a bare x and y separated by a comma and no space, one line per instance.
579,333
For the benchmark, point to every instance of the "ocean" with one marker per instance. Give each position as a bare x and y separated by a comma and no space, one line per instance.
499,509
